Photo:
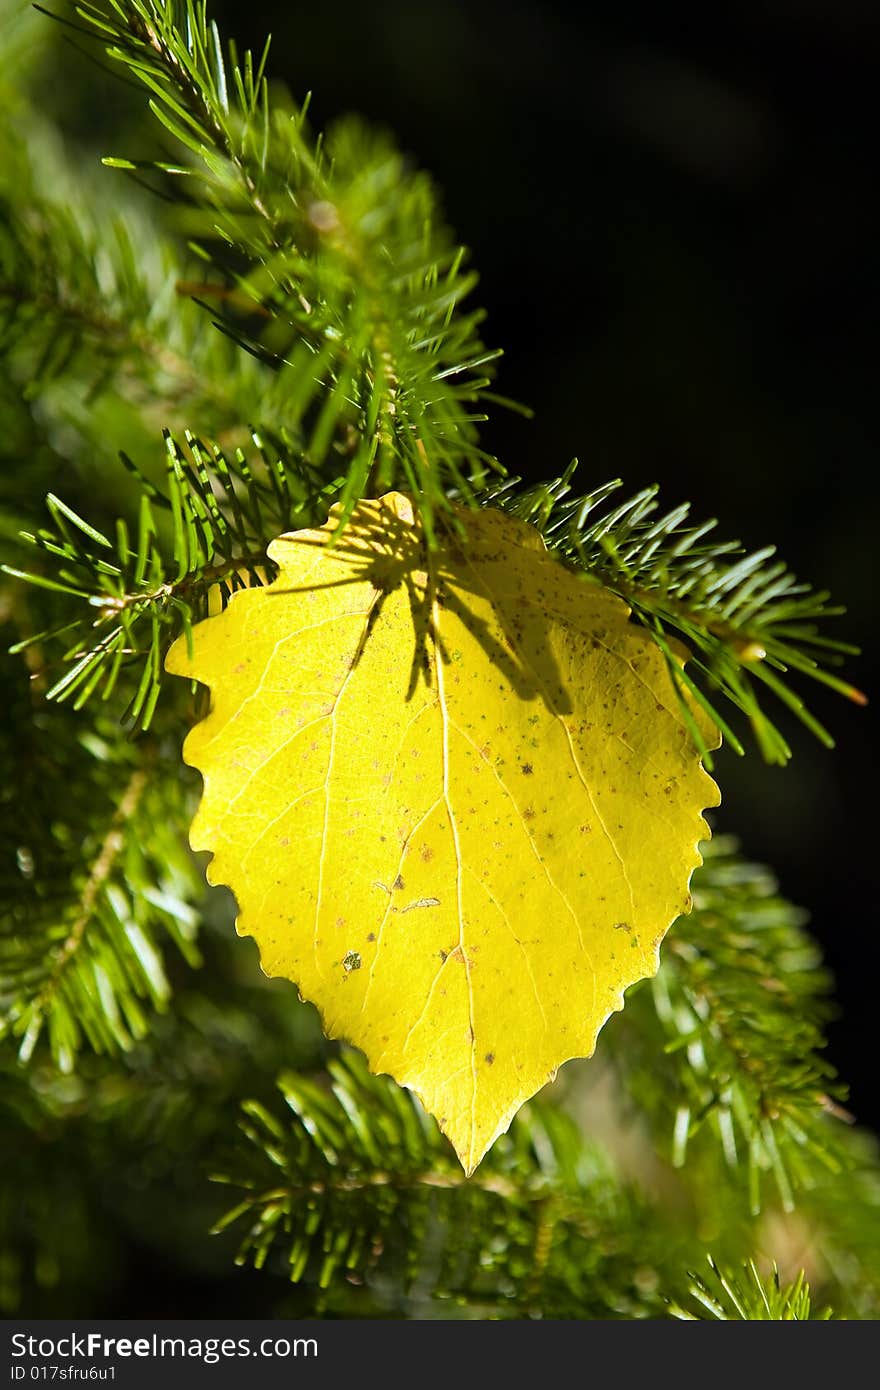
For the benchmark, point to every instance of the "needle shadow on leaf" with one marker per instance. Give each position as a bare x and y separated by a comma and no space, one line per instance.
389,551
465,728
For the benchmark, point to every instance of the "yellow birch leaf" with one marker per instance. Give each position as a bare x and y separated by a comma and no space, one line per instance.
454,794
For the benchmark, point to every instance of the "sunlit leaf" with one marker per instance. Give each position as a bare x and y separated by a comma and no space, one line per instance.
455,794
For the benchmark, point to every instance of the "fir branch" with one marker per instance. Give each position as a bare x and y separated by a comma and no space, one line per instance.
94,884
330,246
726,1297
734,615
350,288
745,620
361,1181
724,1047
201,536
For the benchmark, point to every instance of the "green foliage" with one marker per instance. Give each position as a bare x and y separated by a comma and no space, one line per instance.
104,1174
144,588
361,1182
324,260
724,1047
332,267
734,1087
347,361
97,328
93,889
752,1298
745,620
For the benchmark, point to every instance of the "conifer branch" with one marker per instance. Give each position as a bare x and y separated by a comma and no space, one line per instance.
744,619
101,869
93,307
724,1048
736,614
349,286
93,884
360,1172
203,534
364,302
750,1297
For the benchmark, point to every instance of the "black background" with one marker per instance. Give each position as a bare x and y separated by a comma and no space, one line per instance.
672,217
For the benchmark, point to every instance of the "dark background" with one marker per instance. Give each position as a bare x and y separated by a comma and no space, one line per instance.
672,217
